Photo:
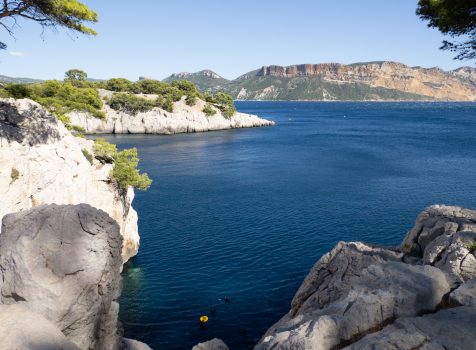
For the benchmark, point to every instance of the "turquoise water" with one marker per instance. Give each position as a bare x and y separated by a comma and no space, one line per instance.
246,213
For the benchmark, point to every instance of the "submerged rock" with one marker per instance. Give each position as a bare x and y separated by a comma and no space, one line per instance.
364,297
184,119
214,344
43,163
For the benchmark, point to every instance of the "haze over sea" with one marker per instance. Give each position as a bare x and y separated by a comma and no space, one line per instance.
246,213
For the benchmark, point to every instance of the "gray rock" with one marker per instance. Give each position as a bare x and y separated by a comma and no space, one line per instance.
63,263
18,123
441,234
361,288
23,329
214,344
130,344
447,329
465,294
51,167
364,297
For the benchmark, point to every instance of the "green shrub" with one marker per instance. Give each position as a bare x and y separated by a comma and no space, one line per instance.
471,246
186,87
209,110
130,103
191,100
125,171
18,90
165,102
87,155
118,85
61,98
225,104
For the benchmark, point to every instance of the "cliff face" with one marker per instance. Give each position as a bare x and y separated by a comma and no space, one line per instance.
377,81
43,163
60,279
358,296
184,119
431,82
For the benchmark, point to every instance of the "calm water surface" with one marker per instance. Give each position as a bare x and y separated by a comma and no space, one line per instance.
246,213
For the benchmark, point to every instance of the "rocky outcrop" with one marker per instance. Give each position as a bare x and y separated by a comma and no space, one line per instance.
184,119
359,296
63,263
21,328
43,163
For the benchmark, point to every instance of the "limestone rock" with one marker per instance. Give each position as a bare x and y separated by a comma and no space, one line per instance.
356,289
23,329
214,344
441,236
131,344
63,263
464,294
43,163
359,296
447,329
184,119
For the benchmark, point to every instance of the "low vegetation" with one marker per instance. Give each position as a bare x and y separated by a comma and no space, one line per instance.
209,110
59,98
471,246
77,93
14,174
87,155
131,104
125,172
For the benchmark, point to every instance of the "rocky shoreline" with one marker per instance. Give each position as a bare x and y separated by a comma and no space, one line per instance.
421,295
184,119
60,263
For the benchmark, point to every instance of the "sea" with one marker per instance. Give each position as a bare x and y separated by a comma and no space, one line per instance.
235,219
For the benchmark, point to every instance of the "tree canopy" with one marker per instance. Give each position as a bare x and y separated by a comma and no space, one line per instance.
70,14
456,18
75,75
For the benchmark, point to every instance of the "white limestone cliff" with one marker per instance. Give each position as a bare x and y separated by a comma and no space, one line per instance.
43,163
184,119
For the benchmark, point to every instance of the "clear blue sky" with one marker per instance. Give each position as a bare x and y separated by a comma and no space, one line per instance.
156,38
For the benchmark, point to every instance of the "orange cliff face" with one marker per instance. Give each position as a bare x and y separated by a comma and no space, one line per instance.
435,83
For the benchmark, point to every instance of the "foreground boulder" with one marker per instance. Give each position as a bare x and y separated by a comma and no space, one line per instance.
23,329
360,296
43,163
62,263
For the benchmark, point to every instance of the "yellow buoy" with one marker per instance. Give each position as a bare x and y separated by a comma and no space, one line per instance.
203,319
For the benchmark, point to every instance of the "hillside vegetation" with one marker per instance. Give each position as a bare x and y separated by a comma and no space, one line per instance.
76,93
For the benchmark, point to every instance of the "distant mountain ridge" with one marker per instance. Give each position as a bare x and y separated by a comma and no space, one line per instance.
18,80
379,81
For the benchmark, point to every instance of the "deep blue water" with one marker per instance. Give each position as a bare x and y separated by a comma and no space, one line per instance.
246,213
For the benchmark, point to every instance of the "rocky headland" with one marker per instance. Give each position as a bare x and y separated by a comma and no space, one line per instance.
367,81
184,119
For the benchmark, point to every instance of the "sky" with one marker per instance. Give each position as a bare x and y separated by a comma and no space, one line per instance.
154,38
